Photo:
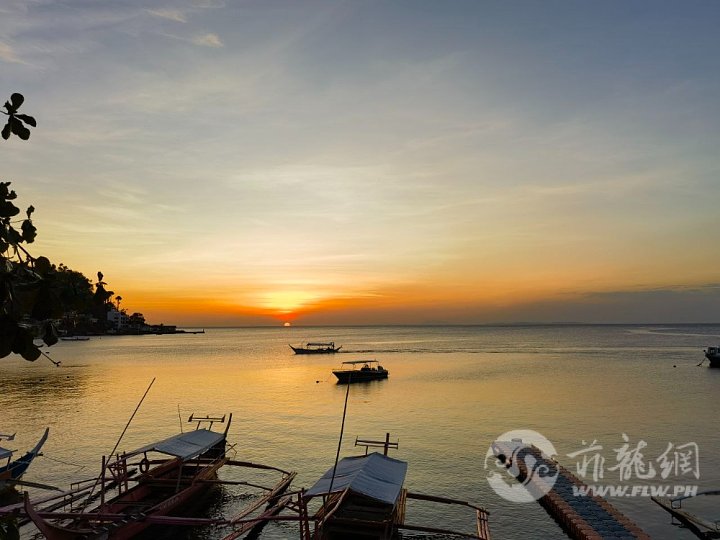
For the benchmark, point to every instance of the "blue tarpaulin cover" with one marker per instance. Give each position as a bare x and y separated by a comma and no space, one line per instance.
376,476
185,445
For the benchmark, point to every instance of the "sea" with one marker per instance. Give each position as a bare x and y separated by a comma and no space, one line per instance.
621,405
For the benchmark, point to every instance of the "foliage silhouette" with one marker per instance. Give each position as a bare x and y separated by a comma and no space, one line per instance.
16,122
37,296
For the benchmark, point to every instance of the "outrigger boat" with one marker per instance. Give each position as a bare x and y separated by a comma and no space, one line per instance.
700,527
364,497
147,487
359,371
316,348
713,354
12,471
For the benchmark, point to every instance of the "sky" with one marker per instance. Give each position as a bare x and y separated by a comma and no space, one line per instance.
340,162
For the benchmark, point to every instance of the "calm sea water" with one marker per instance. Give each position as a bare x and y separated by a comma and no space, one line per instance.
451,392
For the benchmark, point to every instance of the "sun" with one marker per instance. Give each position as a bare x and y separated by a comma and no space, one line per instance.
287,324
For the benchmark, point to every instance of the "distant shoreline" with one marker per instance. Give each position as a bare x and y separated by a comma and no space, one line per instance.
462,325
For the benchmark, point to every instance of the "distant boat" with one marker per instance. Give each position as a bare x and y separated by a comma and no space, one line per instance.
74,338
359,371
316,348
713,354
12,471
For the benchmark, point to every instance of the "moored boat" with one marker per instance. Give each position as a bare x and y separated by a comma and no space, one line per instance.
363,497
360,371
713,354
12,470
316,348
145,487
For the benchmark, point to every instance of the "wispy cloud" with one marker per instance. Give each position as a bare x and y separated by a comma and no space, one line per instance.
8,54
170,14
208,3
208,40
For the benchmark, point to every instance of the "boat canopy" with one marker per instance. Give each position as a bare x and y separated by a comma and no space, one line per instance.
328,344
5,453
354,362
375,475
185,445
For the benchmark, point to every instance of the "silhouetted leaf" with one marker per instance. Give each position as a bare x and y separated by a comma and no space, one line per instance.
17,100
6,193
29,232
8,209
8,327
19,129
27,119
13,236
23,341
6,131
31,353
50,336
30,210
43,265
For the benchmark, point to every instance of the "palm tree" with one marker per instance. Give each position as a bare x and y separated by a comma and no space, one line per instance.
118,299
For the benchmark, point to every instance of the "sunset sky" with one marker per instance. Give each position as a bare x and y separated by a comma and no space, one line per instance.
371,162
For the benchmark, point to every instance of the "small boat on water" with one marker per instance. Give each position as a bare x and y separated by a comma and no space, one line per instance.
316,348
359,371
147,486
364,497
12,470
713,354
74,338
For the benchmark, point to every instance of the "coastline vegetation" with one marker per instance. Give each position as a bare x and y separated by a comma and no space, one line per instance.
40,300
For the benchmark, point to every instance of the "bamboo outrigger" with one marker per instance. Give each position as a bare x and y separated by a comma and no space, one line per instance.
147,487
699,526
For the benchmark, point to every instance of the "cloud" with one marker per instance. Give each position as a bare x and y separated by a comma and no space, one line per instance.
170,14
8,54
208,40
208,3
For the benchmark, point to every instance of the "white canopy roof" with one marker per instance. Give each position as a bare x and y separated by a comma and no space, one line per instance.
376,476
185,445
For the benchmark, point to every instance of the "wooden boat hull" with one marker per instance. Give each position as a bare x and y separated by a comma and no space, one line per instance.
301,350
124,517
126,503
15,469
357,375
